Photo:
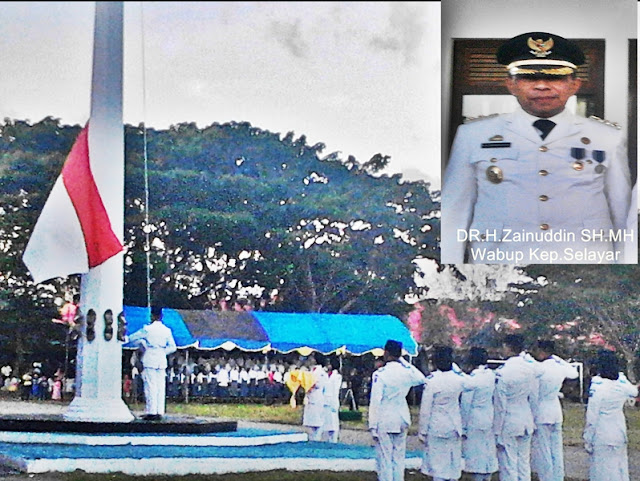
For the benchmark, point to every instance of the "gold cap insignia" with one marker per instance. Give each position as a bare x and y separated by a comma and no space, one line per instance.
540,48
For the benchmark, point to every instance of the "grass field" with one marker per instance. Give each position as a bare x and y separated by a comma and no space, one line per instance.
574,414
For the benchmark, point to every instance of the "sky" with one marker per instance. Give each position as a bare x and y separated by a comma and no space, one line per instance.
361,77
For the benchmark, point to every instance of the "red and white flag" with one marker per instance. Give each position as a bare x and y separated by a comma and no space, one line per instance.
73,232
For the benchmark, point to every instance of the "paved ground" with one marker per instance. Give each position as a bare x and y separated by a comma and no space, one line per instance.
576,460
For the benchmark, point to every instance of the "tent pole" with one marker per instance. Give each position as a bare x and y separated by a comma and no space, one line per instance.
187,378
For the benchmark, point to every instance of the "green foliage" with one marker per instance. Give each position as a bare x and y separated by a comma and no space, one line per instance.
233,211
234,207
586,307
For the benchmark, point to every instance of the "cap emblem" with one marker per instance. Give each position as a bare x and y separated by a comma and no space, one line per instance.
539,48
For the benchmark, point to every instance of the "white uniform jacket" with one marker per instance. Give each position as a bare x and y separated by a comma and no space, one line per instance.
504,184
514,396
440,406
388,408
605,423
332,401
157,341
547,408
476,405
313,414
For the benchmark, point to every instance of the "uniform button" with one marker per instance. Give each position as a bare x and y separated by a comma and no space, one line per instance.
543,198
543,172
544,226
543,148
493,159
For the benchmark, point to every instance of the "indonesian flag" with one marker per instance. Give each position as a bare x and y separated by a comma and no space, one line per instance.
73,233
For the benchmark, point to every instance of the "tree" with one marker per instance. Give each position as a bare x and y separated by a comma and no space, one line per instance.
237,209
467,304
587,306
233,210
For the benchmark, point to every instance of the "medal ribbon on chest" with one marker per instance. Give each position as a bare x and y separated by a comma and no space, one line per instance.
578,153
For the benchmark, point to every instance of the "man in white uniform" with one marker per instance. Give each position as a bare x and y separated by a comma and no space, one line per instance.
547,456
513,425
440,422
313,415
539,185
332,401
476,411
156,340
389,417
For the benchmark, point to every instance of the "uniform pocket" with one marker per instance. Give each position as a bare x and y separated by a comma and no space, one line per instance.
494,155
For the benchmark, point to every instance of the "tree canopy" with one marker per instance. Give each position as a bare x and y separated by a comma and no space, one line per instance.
233,211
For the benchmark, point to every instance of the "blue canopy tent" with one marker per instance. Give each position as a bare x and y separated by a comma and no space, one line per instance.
355,334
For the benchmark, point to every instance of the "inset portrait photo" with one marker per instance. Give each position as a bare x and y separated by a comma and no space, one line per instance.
539,154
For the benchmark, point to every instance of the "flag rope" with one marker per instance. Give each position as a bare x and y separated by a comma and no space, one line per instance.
147,227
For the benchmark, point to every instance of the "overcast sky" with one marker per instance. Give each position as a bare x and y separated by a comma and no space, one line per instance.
362,77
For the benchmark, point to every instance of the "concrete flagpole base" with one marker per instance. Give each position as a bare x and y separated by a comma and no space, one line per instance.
98,410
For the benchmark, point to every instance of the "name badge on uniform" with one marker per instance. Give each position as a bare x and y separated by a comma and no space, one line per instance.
496,145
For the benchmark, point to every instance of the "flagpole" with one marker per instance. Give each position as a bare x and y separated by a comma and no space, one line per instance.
98,394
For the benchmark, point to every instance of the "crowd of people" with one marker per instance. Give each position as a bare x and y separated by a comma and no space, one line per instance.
517,405
242,377
34,383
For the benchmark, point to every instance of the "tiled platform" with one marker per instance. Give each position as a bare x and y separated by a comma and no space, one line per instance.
174,446
184,460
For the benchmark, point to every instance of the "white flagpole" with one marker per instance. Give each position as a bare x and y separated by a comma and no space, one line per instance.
98,396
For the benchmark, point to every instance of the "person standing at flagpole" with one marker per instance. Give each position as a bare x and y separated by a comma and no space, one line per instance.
156,341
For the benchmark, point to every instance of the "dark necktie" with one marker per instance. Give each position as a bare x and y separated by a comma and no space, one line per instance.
545,126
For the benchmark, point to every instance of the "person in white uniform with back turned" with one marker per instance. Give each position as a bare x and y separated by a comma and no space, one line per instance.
389,416
440,423
313,415
605,431
476,410
331,426
156,340
547,453
513,401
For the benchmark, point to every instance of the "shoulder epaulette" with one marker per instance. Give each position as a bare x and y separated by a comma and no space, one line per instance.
468,120
615,125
